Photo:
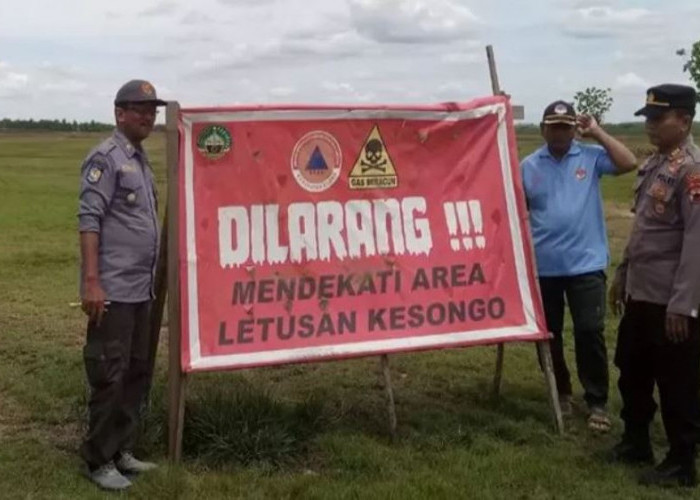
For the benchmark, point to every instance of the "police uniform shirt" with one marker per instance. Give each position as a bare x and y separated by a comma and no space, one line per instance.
663,253
118,201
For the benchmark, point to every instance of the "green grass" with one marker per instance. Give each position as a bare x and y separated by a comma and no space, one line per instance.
313,431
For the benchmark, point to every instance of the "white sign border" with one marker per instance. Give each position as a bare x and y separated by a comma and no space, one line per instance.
237,361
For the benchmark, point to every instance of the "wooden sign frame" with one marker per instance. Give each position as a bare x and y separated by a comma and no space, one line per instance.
167,282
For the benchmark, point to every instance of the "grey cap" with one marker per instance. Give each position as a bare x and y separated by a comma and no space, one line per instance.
137,91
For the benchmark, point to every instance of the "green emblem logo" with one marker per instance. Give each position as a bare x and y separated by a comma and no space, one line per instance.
214,142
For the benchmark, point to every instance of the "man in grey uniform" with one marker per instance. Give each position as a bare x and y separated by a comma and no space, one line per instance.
118,223
658,283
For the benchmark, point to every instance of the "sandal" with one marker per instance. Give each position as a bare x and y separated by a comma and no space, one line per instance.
566,405
598,420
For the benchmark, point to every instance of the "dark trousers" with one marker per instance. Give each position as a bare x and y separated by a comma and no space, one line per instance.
119,374
644,357
585,294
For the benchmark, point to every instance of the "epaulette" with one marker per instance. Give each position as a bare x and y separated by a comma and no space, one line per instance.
100,156
693,152
106,146
100,153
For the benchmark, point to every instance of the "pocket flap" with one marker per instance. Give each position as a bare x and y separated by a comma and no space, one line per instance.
130,181
660,190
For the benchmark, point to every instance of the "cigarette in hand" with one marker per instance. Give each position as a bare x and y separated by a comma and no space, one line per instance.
79,304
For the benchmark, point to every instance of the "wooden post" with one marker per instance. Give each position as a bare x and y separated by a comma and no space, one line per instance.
176,377
389,390
160,287
498,375
543,351
545,356
500,350
495,85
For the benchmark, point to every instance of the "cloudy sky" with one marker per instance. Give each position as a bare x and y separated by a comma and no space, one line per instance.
66,58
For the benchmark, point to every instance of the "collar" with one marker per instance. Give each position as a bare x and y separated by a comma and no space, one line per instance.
574,150
684,147
121,140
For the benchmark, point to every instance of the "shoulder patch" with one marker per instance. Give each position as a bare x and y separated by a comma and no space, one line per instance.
693,151
94,175
94,167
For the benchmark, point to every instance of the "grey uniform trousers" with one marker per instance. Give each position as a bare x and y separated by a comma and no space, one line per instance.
119,374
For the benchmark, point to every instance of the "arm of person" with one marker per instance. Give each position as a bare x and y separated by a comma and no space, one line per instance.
620,159
524,180
685,295
617,293
93,299
96,192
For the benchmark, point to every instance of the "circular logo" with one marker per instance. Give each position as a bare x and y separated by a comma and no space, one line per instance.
658,191
214,142
316,161
581,173
94,175
147,89
560,109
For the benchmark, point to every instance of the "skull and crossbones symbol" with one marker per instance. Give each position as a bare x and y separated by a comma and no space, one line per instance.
374,150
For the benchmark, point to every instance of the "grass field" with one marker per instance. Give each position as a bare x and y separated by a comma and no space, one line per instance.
316,431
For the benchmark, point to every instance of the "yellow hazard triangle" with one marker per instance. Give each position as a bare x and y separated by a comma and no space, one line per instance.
373,168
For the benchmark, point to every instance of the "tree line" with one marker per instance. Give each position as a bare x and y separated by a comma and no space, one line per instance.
55,125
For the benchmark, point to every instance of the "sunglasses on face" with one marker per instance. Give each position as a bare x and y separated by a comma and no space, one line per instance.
141,109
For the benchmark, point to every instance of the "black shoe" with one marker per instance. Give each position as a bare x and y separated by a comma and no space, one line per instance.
633,453
671,473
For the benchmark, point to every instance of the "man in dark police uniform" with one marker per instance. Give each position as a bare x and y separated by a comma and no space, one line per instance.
658,285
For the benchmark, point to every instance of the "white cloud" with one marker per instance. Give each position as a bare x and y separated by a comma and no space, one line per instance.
412,21
164,8
246,3
338,86
70,60
160,56
602,21
463,58
451,88
49,81
282,91
65,87
630,81
582,4
345,91
196,17
57,71
12,83
287,52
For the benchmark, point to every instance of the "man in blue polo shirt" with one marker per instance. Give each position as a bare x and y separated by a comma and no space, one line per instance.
561,181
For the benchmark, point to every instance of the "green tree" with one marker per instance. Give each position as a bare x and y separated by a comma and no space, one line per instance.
692,63
593,101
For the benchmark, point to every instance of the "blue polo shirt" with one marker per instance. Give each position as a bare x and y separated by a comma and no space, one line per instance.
566,209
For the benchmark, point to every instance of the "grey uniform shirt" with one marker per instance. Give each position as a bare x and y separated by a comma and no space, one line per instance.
662,258
118,201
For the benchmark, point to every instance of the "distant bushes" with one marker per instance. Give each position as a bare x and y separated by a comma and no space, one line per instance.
54,125
626,128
